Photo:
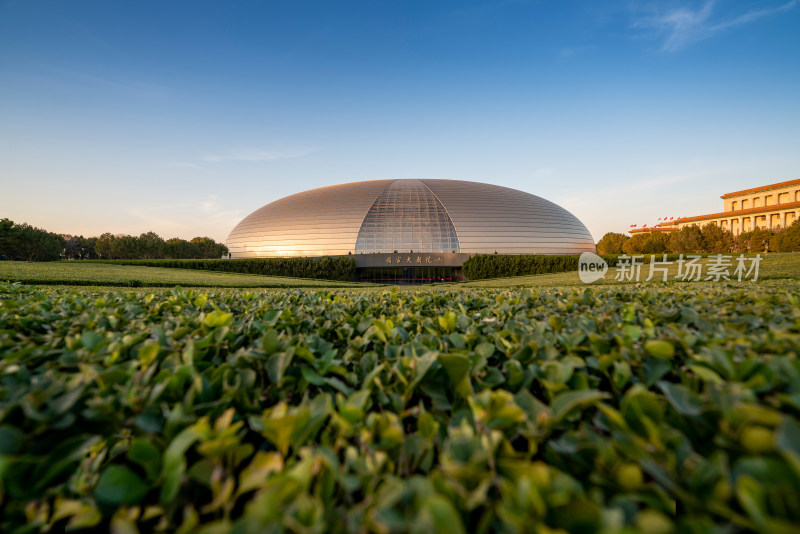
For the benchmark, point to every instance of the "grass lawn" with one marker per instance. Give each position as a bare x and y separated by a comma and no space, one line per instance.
100,274
773,266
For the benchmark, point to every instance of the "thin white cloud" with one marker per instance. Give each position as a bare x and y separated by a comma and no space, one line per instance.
251,154
198,217
184,165
686,25
608,196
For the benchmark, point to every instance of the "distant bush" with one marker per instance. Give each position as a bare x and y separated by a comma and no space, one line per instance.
341,268
483,266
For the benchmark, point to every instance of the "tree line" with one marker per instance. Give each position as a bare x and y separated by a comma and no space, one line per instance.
707,239
483,266
24,242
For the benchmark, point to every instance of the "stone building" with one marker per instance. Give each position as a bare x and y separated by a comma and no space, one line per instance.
768,206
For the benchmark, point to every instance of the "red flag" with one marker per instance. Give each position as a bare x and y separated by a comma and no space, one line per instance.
659,218
644,225
633,226
671,218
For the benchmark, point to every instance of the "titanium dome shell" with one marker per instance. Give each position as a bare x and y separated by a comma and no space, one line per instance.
383,216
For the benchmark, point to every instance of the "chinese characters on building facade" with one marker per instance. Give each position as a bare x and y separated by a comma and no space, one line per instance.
413,259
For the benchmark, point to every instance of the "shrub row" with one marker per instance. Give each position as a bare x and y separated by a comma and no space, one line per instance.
339,268
592,409
483,266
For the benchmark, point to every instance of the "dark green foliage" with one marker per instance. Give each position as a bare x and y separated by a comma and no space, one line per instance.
208,248
687,240
482,266
787,240
151,246
341,268
27,243
635,245
181,249
716,240
79,247
755,241
620,409
656,243
611,243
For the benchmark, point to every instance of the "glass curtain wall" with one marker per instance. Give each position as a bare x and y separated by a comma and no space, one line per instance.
407,275
406,217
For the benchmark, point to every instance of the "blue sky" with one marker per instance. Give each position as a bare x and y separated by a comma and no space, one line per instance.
184,117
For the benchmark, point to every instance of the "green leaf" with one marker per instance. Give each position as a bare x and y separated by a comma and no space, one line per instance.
682,399
311,376
569,400
91,340
10,439
270,343
174,463
787,441
456,365
752,499
278,363
147,455
148,353
442,515
659,348
119,486
218,318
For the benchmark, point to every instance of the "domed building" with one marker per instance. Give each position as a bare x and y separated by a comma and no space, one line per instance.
413,230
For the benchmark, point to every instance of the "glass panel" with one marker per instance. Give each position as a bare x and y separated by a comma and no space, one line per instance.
407,217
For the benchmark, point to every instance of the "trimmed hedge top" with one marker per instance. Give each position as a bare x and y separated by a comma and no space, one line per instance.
341,268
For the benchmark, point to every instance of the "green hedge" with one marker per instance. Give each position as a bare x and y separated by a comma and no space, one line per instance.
483,266
341,268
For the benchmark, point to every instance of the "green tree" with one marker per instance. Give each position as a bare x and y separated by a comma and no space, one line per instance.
104,246
209,248
788,239
756,240
687,240
9,239
177,248
656,243
635,245
87,248
125,247
72,246
151,246
716,240
611,243
37,244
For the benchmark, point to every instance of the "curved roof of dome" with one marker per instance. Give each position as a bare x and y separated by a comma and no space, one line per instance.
380,216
